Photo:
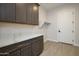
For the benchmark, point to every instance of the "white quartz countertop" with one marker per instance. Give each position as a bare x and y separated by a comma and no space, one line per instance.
26,37
8,39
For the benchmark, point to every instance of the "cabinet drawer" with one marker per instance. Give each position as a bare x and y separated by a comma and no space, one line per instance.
15,53
37,38
26,51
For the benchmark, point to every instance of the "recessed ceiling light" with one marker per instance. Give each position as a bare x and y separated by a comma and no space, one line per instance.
35,8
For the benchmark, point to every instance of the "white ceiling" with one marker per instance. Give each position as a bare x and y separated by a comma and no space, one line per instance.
49,6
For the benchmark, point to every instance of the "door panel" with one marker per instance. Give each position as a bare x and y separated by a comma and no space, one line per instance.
65,26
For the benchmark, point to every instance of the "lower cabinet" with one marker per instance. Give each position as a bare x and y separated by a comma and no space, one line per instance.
37,46
15,53
26,51
23,51
31,47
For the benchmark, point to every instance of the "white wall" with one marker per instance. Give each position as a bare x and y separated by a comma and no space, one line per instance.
10,31
52,29
52,17
42,16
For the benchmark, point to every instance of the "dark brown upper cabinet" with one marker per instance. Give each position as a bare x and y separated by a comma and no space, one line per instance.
32,13
21,13
26,13
7,12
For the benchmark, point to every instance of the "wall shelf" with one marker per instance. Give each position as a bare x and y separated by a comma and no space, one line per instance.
45,24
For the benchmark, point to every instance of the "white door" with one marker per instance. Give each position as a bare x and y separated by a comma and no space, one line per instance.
65,26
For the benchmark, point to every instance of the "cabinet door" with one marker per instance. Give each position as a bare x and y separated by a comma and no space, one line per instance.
26,50
37,46
20,13
32,14
7,12
35,14
15,53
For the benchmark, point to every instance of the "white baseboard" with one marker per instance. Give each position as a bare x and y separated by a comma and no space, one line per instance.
52,40
76,44
45,41
58,41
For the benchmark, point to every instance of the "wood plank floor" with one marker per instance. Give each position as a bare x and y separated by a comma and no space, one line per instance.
59,49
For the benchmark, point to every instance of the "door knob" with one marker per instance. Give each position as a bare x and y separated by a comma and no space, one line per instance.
59,31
